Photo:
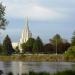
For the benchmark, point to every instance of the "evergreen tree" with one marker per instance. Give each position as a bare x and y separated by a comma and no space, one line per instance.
73,40
3,21
7,46
38,45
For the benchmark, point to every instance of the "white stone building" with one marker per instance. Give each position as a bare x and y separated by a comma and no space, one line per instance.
26,34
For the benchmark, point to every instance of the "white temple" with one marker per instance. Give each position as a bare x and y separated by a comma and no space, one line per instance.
26,34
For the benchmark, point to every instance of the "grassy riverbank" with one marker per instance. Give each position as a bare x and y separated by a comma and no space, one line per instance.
68,72
35,57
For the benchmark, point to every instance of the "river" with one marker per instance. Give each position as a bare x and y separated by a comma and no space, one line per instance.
24,67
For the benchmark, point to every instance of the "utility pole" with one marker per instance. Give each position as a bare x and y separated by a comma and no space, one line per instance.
56,46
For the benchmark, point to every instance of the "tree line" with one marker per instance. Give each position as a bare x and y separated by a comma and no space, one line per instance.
56,44
37,46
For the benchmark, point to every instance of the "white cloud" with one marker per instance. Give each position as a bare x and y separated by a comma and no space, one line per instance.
21,9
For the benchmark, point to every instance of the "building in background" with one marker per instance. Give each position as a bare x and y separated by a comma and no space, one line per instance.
26,34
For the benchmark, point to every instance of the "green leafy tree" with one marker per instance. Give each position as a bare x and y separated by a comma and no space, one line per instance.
3,21
30,42
73,40
17,50
70,51
7,46
57,42
27,47
38,45
56,39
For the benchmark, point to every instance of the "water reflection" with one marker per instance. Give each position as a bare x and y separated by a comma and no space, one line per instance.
23,68
18,68
7,67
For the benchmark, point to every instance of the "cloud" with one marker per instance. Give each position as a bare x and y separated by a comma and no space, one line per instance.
34,11
62,11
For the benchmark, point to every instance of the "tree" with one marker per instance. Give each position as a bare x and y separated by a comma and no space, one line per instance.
1,48
27,47
7,46
56,41
38,45
73,40
3,21
48,48
17,49
30,43
70,51
65,47
62,47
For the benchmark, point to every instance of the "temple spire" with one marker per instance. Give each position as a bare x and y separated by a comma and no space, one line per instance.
26,34
27,20
27,23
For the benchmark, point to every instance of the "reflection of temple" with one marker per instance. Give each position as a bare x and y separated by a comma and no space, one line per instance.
26,34
17,68
23,68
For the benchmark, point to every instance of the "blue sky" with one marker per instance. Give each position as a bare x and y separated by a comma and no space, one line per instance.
46,18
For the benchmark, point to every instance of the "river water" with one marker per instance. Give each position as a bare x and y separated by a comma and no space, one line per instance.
24,67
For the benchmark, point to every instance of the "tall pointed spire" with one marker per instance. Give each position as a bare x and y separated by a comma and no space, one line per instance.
27,20
26,34
27,23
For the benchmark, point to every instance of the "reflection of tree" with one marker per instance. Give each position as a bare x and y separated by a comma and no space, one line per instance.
36,67
1,72
7,67
73,66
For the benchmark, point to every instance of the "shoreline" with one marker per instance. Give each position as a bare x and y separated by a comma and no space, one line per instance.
36,58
